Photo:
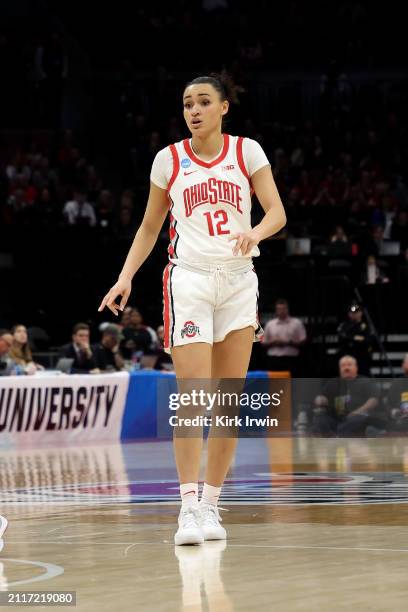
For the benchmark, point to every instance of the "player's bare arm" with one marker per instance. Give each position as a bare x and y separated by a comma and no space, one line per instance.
143,243
274,219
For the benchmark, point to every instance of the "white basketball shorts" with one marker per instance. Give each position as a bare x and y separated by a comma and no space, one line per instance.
204,305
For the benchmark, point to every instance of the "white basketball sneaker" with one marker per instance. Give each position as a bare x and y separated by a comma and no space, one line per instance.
3,525
189,531
210,522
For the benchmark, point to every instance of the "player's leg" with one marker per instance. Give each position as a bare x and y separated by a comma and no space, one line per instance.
191,362
188,333
235,321
230,360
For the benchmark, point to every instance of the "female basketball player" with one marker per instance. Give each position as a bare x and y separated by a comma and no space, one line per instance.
210,286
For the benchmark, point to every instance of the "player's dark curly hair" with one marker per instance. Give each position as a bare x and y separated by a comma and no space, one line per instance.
223,83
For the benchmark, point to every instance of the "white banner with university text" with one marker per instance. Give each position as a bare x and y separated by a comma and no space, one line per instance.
61,409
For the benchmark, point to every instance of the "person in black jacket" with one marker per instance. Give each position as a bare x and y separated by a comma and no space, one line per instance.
347,404
137,338
80,350
106,353
355,338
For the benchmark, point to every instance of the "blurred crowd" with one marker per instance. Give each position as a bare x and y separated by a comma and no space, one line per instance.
49,186
343,190
346,191
128,345
349,404
133,344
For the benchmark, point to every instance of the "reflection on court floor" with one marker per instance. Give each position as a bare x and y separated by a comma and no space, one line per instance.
260,488
303,517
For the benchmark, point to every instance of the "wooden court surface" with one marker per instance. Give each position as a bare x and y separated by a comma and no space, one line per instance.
312,525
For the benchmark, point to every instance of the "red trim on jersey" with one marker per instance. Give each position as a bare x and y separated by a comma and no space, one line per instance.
166,314
172,235
176,167
205,164
240,158
241,163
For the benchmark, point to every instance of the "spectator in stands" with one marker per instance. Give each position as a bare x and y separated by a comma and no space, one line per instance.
398,400
323,198
8,337
106,353
17,207
339,235
283,338
6,363
346,405
399,229
127,199
358,216
47,210
372,273
105,209
78,211
20,350
355,338
93,183
125,318
164,361
138,338
160,336
80,350
339,243
125,227
374,241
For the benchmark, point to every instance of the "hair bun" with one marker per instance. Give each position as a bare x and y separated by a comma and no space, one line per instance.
232,90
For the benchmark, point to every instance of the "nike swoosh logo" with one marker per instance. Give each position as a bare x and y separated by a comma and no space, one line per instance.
191,172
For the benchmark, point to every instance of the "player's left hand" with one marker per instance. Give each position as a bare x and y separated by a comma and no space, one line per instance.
245,242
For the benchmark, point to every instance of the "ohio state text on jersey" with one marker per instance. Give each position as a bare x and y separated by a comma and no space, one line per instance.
209,201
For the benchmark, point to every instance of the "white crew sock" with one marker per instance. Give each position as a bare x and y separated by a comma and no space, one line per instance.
210,494
189,493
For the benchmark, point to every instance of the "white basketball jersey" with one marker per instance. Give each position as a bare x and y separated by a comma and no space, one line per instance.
209,202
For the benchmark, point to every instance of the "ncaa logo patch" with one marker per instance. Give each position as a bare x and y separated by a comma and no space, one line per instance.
185,163
190,329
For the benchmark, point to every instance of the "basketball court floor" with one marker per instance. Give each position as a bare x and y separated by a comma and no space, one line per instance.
313,524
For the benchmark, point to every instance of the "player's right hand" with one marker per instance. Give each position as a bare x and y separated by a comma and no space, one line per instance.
123,287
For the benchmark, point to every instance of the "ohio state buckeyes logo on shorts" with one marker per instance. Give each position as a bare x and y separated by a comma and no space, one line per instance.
190,329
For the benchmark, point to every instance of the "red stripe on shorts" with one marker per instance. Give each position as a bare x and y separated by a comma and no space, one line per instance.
166,308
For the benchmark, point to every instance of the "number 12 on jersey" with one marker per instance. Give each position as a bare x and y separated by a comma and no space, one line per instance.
223,220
